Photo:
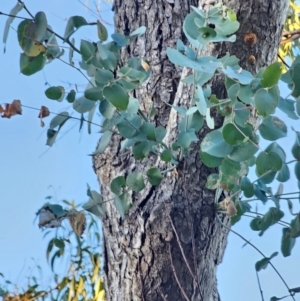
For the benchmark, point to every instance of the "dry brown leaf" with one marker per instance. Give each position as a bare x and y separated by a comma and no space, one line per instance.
230,207
78,222
11,109
145,65
44,112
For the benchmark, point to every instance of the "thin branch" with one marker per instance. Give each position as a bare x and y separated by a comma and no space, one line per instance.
64,40
175,275
181,248
291,39
261,292
258,250
50,30
281,223
290,33
283,61
13,16
58,114
25,7
77,70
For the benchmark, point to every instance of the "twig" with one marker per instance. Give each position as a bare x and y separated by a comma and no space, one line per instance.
13,16
181,249
283,60
77,70
175,275
24,6
261,292
58,114
64,40
291,39
290,33
258,250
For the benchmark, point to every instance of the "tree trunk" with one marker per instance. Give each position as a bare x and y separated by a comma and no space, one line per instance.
169,245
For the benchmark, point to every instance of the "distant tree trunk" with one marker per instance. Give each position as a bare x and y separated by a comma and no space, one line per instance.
145,259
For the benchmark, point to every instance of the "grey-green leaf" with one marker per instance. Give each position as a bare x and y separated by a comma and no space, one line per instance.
135,181
117,96
272,128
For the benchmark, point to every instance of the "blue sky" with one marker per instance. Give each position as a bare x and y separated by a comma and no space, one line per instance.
30,171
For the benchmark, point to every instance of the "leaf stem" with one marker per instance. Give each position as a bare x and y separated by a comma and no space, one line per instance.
77,70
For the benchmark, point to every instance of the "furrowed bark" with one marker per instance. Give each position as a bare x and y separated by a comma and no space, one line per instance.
150,254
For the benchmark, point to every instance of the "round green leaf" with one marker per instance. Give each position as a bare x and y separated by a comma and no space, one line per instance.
244,151
127,128
231,134
275,147
215,145
73,24
31,65
102,31
29,37
236,73
166,155
40,21
142,149
268,161
71,96
138,32
210,161
272,128
120,39
213,181
271,75
103,142
103,77
106,109
123,203
59,243
283,174
186,138
59,120
295,76
266,100
160,133
135,181
83,105
246,95
287,242
117,96
263,263
87,50
94,93
247,187
154,176
206,34
149,130
296,147
117,184
297,170
295,226
254,224
55,93
241,115
51,136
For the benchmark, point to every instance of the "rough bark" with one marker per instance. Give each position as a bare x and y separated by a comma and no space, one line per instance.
170,243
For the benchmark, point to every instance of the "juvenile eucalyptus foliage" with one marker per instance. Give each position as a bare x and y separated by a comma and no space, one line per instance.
232,148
